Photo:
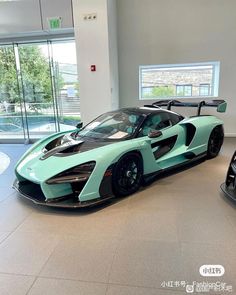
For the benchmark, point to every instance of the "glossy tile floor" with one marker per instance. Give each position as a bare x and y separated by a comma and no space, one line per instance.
163,233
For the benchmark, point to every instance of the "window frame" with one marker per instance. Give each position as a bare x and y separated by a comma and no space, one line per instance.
214,90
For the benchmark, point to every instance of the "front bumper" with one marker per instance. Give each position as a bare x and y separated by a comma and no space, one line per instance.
229,186
34,193
228,191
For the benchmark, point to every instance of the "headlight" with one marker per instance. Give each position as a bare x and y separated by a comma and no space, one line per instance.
76,174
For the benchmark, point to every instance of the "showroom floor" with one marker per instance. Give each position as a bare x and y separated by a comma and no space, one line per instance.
148,243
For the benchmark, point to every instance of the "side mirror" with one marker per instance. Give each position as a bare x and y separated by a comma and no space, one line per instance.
154,134
222,107
79,125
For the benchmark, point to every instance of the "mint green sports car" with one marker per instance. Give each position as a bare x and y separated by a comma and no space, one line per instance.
114,154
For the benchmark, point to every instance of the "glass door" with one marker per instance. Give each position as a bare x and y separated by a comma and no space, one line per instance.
12,123
39,90
66,83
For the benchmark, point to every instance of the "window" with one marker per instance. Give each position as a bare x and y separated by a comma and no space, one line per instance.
147,91
175,118
113,126
204,90
179,80
184,90
158,122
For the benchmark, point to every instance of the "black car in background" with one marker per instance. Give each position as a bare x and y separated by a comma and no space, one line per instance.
229,186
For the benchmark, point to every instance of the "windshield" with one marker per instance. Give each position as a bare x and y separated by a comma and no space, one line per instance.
116,125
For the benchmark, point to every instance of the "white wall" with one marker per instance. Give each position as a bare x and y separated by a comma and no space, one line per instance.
29,17
98,90
113,52
183,31
19,16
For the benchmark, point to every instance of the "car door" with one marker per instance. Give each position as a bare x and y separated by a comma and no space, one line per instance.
165,146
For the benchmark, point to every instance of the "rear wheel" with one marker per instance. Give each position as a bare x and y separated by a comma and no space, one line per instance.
127,174
215,142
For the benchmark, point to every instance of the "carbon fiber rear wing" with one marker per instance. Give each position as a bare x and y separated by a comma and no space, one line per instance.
220,104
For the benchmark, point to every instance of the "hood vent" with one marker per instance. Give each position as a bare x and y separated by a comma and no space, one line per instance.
66,145
63,144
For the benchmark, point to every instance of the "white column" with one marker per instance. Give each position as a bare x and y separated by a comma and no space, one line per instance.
96,44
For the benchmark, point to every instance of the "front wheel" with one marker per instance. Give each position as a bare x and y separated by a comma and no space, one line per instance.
127,174
215,142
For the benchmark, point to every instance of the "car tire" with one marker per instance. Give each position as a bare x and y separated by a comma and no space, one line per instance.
215,142
127,174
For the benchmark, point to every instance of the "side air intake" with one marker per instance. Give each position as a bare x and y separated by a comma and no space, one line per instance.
190,132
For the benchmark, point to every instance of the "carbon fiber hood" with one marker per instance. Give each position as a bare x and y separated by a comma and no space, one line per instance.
67,145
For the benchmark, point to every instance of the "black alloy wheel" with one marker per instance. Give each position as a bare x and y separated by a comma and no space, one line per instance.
127,174
215,142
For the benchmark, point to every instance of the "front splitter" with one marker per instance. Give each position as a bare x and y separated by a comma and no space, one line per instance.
229,192
61,203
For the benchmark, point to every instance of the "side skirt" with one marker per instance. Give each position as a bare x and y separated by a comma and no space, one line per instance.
150,177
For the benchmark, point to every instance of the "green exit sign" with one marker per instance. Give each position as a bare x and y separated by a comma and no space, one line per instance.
54,23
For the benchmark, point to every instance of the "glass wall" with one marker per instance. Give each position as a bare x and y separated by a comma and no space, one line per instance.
11,113
38,89
66,83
